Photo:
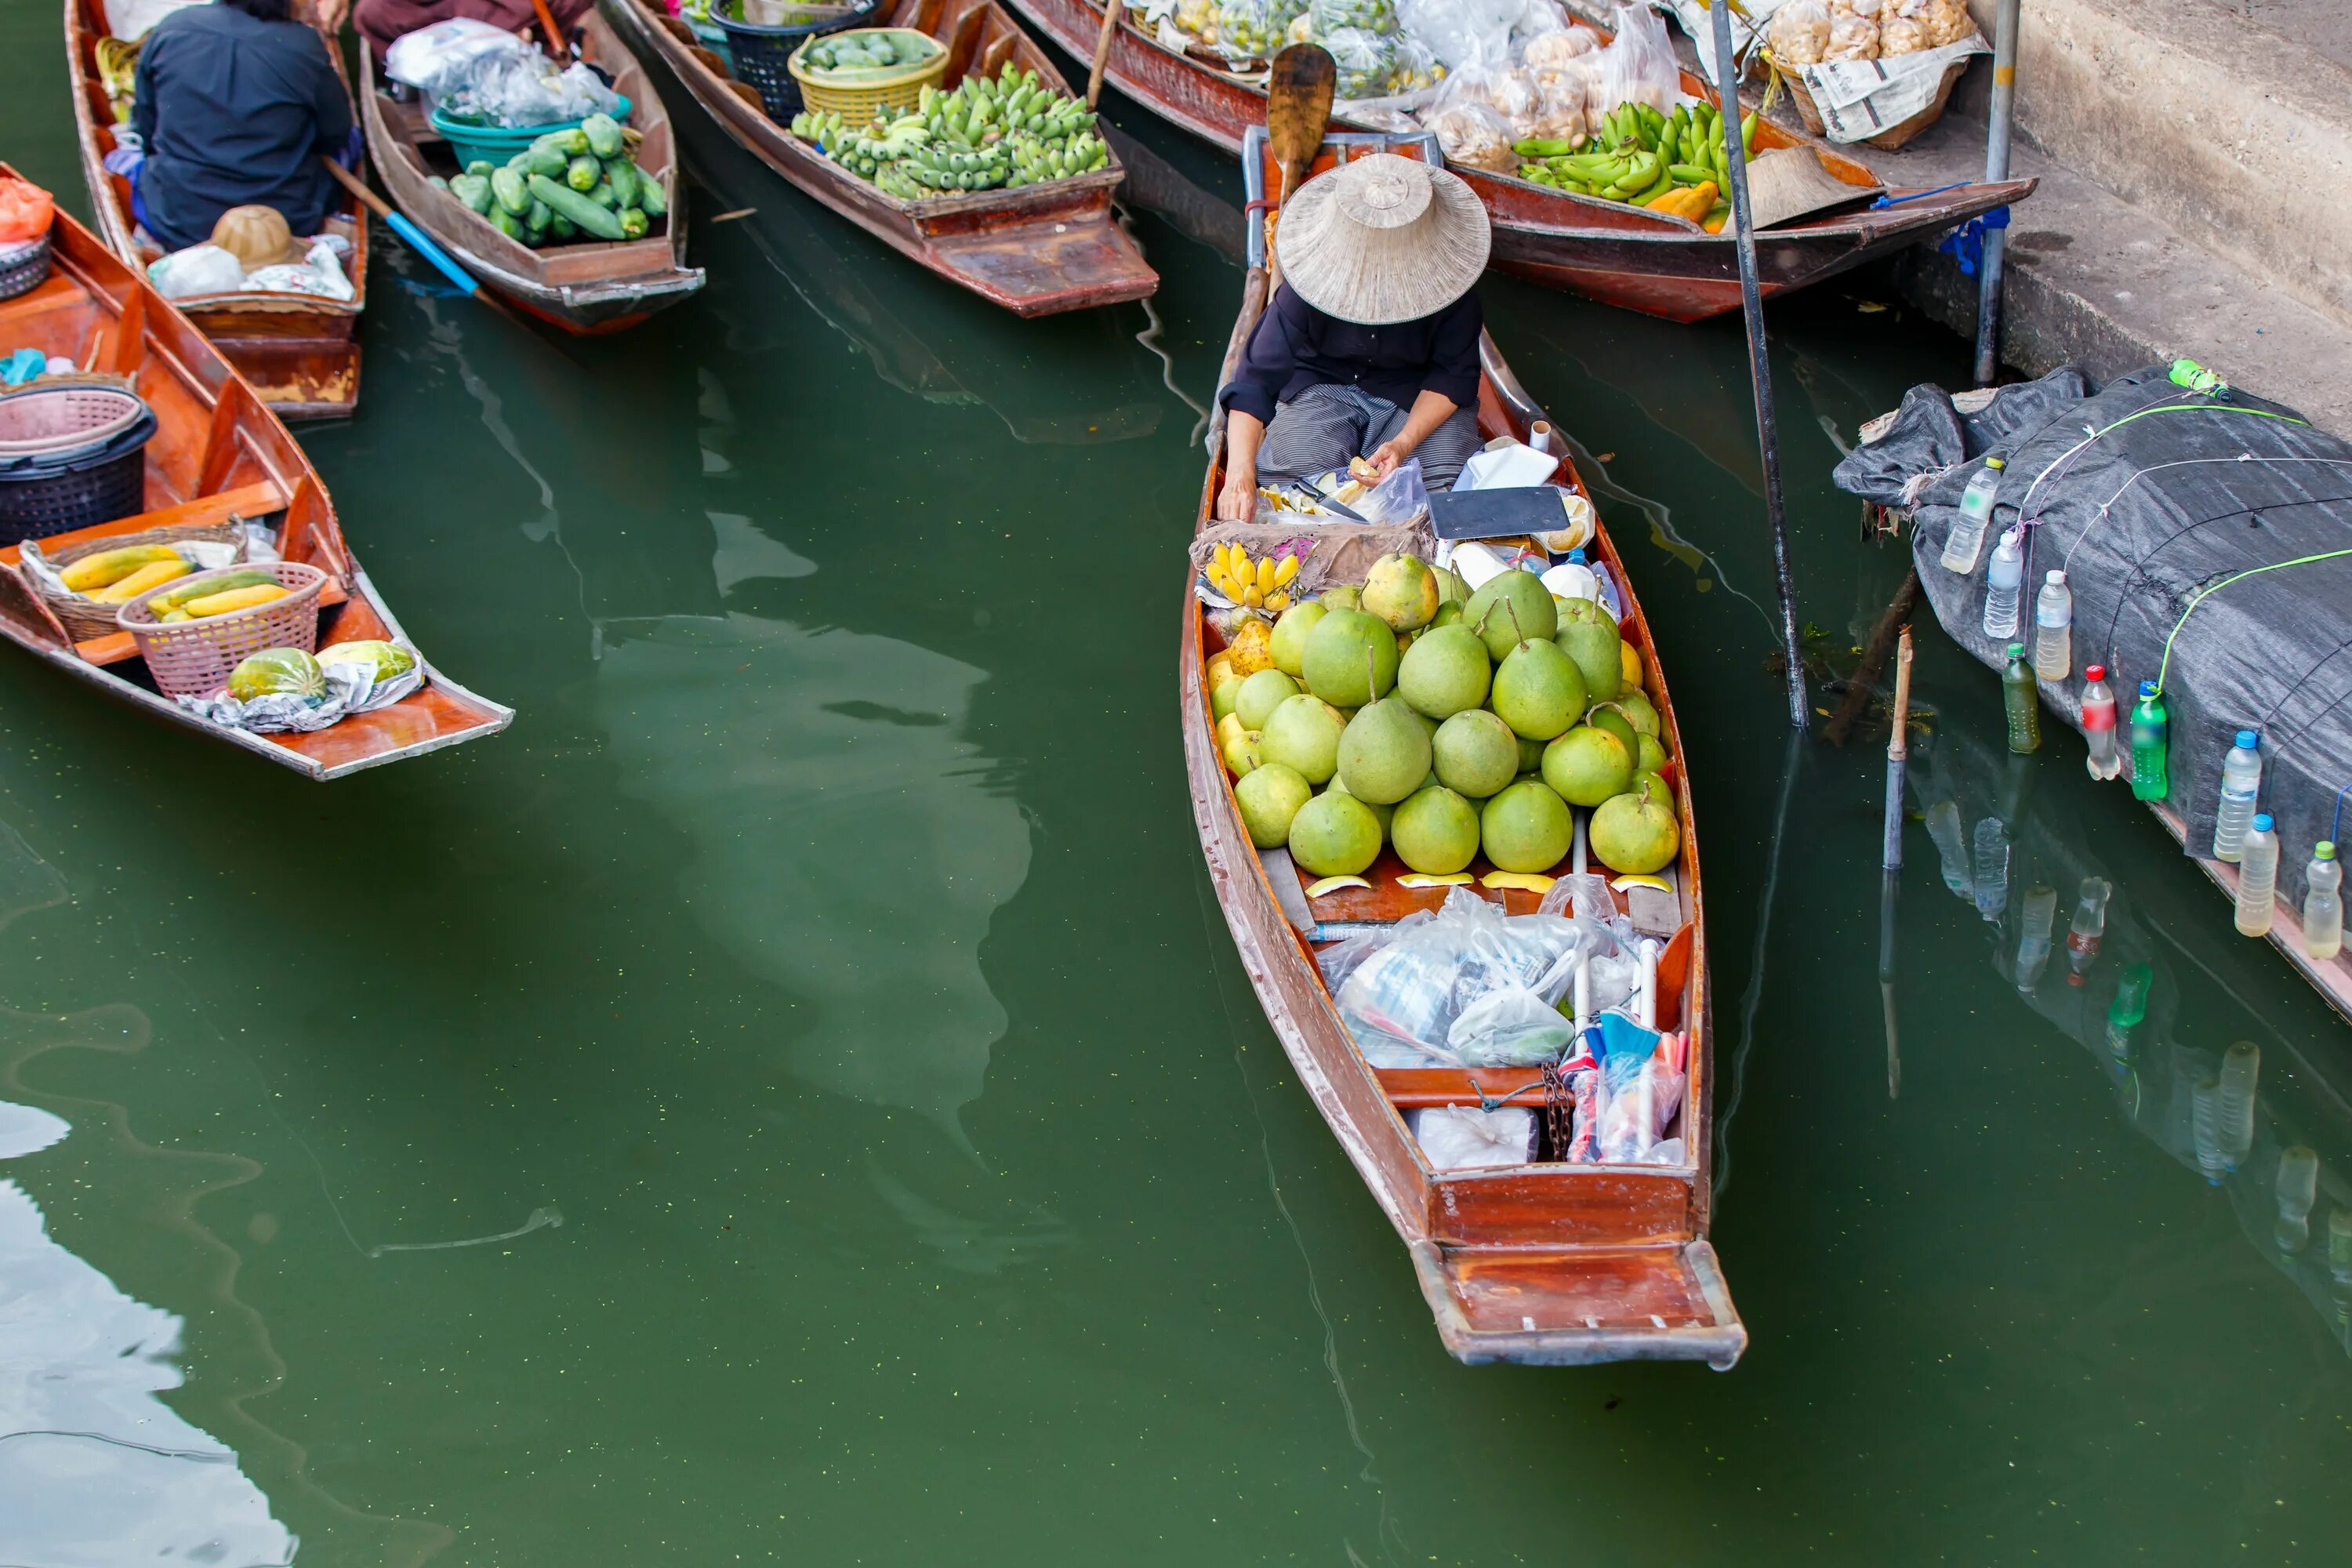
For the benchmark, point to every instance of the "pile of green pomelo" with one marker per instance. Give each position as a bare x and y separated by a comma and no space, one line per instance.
1445,723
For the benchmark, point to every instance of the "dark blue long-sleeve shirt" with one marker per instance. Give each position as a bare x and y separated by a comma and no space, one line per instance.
1296,346
235,111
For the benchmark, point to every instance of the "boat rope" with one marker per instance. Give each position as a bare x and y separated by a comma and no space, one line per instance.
2065,459
2101,517
2201,595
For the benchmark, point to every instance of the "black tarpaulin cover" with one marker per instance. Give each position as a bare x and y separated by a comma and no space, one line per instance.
2207,538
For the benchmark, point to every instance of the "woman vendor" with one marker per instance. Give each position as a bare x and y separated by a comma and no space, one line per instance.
235,104
382,21
1370,346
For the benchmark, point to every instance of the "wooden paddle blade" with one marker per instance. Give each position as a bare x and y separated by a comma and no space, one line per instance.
1298,108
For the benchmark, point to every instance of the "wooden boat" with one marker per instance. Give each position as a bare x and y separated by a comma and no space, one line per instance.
219,453
1550,1263
300,352
589,286
1035,251
1618,255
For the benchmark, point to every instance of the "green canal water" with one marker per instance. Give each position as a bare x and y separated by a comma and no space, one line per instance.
791,1097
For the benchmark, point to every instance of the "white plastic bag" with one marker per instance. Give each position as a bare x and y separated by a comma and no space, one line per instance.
1638,66
1401,1003
1469,1138
1799,33
1463,32
436,58
199,270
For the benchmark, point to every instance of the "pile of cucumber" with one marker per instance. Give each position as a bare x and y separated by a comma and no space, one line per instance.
567,185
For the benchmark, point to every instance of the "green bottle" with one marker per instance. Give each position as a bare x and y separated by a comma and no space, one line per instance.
2023,698
2150,729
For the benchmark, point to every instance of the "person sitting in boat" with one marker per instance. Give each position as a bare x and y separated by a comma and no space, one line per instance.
382,21
235,104
1368,348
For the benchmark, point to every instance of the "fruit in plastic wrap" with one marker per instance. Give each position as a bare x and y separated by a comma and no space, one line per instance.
1197,18
1301,29
1947,22
1475,134
278,672
1254,29
1515,99
1853,35
1799,33
1554,52
1364,57
1901,36
1372,15
1416,68
388,659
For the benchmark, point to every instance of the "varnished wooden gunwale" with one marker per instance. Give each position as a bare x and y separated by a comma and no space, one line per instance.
1546,1264
217,451
586,288
1620,255
300,353
1035,251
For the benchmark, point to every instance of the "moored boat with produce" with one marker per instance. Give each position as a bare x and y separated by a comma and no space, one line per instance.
218,460
299,352
1585,1241
1036,247
587,285
1659,264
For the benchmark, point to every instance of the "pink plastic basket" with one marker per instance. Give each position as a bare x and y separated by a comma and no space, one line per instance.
40,420
194,659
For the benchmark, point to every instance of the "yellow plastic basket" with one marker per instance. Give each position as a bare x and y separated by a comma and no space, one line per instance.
876,97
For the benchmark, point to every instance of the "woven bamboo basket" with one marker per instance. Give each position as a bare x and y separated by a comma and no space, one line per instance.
194,659
876,97
85,617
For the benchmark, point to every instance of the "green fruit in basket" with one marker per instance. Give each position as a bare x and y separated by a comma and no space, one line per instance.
388,659
278,672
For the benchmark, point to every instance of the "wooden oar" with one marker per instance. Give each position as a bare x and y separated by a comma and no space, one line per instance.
416,239
1297,114
1111,8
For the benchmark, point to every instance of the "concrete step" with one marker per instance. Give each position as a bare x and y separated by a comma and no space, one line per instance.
2230,121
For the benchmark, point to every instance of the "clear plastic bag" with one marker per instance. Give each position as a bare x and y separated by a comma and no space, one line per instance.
1401,1003
1514,1026
1365,60
199,270
1471,1138
1947,22
1398,499
1254,29
528,90
439,59
1463,32
1901,35
1638,66
1851,37
1799,33
1330,17
1642,1091
1559,48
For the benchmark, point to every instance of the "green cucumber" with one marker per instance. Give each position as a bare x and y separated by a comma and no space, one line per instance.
507,223
649,194
603,133
540,158
567,203
560,230
473,190
632,223
481,166
583,174
514,198
622,176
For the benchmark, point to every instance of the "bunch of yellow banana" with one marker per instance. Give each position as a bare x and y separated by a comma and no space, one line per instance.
1255,585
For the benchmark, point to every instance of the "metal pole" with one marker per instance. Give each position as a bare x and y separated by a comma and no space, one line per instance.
1759,367
2004,93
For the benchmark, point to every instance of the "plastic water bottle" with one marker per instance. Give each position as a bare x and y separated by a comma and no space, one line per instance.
2036,918
2089,925
2001,581
2241,780
2022,700
2106,761
1993,868
2148,736
2298,1189
1965,540
2054,628
2240,1065
2125,1012
2205,1126
2257,876
2323,904
1952,844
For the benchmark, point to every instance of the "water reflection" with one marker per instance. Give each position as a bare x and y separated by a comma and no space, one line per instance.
2284,1160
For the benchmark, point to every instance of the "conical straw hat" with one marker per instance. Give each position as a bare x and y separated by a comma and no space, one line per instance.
1382,239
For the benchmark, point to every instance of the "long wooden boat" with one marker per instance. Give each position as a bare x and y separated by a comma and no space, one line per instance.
1547,1263
1618,255
588,287
219,453
1035,251
300,352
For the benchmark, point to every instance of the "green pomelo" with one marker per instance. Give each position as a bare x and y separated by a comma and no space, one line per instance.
1450,588
1241,753
1449,614
1594,649
1345,596
1526,827
1222,699
1351,658
1586,766
1334,835
1530,754
1384,752
1401,590
1587,612
1445,671
1649,756
1538,691
1476,753
1641,712
1379,809
1269,797
1290,634
1513,608
1435,831
1606,715
1302,735
1636,832
1261,694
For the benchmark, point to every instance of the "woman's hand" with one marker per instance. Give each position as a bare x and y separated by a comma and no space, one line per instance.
1389,455
1237,501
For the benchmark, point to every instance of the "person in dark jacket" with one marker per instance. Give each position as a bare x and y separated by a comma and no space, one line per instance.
1368,348
235,104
